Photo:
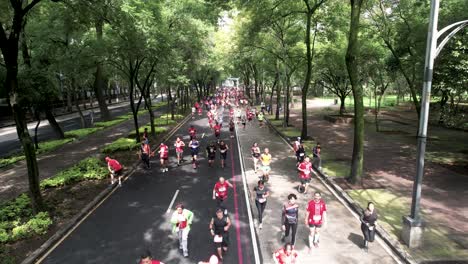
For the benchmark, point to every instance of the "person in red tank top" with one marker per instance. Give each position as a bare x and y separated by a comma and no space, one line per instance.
285,255
146,258
163,156
305,170
179,148
316,217
217,130
220,193
115,170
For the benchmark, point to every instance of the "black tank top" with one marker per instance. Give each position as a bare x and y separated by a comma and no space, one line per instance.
219,225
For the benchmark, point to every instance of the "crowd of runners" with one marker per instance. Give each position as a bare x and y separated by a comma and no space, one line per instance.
242,113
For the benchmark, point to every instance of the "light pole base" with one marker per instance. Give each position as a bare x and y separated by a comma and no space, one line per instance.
412,232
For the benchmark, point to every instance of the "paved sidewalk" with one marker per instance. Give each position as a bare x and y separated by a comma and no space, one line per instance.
14,181
340,241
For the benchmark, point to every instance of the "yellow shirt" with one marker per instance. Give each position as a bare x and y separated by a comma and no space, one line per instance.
266,159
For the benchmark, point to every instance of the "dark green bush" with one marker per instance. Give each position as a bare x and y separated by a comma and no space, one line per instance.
121,144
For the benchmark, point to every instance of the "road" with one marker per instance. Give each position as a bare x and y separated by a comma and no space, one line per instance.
9,142
134,217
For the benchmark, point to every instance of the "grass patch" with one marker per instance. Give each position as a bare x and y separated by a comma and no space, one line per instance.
290,132
449,158
10,160
87,169
121,144
17,220
335,168
110,123
392,206
82,132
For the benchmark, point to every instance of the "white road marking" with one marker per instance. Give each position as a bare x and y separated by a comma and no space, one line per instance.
172,202
247,201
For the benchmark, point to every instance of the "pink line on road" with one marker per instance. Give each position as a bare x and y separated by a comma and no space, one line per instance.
236,208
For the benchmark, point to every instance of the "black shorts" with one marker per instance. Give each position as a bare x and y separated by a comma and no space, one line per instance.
217,135
223,155
164,158
117,173
304,181
231,129
194,151
211,157
256,155
314,225
225,242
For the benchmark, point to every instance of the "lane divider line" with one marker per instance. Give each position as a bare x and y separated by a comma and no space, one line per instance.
247,201
172,202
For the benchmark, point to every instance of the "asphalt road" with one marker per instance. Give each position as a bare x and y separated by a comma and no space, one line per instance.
134,217
9,142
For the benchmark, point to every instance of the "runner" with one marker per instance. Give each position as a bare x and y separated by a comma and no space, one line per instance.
260,118
211,152
305,170
194,109
255,150
296,145
300,154
223,148
285,255
163,156
249,116
219,228
179,148
244,122
316,216
181,221
317,158
115,170
213,260
145,154
146,258
238,115
217,130
194,148
200,110
220,193
260,193
231,128
145,136
368,221
192,132
265,158
289,218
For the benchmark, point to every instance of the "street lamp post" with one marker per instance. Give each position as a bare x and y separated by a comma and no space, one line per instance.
412,224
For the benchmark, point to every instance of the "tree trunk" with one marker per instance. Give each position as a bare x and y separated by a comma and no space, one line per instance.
99,85
342,105
133,107
287,99
351,65
37,115
53,122
305,87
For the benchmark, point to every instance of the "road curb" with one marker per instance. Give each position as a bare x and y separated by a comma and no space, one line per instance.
68,227
392,243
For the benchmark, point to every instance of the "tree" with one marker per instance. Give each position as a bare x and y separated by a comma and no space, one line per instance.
352,54
9,44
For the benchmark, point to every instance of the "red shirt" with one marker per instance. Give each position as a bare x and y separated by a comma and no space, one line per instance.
179,146
305,169
221,190
192,131
197,105
283,258
316,211
114,164
154,262
217,128
164,151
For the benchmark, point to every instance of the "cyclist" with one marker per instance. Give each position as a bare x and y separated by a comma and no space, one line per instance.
194,148
223,148
219,228
255,150
265,158
179,148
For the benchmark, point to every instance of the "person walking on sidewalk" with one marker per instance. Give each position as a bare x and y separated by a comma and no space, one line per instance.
115,170
223,148
368,221
316,217
243,122
260,118
147,258
261,193
163,156
219,229
231,128
300,153
211,152
265,158
290,218
179,148
285,255
317,158
305,171
220,193
255,150
181,221
194,145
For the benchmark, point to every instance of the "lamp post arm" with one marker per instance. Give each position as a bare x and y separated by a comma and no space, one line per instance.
449,36
442,31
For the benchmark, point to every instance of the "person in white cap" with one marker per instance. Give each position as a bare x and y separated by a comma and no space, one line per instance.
213,260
